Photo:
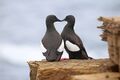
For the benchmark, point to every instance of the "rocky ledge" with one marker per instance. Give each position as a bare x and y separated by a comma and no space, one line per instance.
67,69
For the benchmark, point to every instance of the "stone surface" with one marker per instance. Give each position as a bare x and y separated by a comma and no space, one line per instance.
63,70
98,76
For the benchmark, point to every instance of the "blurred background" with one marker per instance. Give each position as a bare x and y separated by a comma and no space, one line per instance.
22,26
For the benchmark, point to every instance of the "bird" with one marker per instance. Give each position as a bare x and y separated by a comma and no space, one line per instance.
52,44
72,42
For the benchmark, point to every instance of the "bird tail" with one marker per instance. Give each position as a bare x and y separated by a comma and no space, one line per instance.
84,52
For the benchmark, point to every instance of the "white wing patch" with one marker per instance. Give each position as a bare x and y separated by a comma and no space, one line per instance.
61,47
71,46
43,49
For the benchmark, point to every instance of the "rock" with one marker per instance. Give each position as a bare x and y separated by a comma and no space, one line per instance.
98,76
63,70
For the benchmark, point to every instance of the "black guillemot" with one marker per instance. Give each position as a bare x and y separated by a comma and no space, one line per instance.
52,44
73,44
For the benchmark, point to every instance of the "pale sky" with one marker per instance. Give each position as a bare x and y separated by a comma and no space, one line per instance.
22,25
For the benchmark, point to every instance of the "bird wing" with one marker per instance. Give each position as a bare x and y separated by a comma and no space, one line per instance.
72,47
75,39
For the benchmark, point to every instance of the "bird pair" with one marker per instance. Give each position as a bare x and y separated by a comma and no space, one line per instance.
53,43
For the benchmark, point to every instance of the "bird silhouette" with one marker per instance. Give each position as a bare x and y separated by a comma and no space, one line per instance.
52,45
73,44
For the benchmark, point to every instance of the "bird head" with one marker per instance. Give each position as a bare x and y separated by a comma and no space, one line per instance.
69,19
52,19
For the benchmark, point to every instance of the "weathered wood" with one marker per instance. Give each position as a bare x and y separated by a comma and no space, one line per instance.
33,70
111,34
43,70
98,76
115,19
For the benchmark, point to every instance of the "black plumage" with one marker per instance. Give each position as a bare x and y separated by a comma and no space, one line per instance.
68,34
52,40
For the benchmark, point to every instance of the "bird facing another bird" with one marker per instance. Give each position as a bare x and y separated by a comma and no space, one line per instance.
53,43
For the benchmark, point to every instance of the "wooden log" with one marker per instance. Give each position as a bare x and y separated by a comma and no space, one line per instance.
98,76
43,70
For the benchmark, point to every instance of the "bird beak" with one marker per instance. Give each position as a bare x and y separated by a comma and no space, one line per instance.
59,20
62,20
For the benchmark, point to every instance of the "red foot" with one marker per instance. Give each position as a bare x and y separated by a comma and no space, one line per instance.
64,59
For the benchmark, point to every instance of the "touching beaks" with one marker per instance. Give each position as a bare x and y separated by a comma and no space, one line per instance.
62,20
58,20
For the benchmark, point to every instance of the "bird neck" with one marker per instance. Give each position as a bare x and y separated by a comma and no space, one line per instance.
50,27
70,27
